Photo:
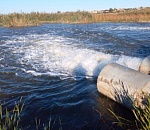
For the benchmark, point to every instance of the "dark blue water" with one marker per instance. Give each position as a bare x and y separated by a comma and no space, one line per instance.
54,67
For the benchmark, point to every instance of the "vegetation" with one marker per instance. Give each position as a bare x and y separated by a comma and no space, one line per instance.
142,118
112,15
48,126
11,119
36,18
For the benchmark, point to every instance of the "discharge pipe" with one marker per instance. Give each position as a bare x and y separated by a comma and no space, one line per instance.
145,66
123,85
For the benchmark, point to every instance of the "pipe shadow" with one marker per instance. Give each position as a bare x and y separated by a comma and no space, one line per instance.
79,71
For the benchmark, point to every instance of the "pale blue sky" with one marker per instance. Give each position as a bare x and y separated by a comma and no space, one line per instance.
8,6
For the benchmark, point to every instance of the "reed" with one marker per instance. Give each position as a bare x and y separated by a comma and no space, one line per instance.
18,20
37,18
10,119
142,118
48,126
127,16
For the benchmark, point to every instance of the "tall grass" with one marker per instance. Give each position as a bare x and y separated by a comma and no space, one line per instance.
18,20
36,18
10,119
134,16
142,118
48,126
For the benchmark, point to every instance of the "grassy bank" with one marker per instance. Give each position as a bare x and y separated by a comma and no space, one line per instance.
36,18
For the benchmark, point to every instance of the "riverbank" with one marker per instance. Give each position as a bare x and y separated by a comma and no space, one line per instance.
36,18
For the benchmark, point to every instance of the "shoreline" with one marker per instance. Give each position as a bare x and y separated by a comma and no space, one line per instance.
35,18
31,25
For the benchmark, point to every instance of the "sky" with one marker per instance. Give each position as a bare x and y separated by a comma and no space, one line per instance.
9,6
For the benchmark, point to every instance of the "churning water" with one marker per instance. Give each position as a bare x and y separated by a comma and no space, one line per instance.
54,68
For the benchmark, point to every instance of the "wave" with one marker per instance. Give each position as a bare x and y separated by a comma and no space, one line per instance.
56,55
131,28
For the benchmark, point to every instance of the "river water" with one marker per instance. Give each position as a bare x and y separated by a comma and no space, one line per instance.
54,68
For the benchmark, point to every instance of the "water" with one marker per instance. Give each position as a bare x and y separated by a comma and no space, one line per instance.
54,67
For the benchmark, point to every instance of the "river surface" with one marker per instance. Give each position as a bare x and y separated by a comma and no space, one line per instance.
54,68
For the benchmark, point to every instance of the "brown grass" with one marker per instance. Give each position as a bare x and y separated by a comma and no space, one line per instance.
130,16
36,18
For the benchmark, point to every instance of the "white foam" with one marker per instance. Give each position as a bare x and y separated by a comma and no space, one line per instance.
40,73
131,28
58,56
131,62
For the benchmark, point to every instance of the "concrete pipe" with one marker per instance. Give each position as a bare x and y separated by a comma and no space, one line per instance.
123,85
145,66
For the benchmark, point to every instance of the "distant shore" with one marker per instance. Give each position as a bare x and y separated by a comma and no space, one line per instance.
36,18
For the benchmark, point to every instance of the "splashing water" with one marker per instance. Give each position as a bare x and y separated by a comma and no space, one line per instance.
57,55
